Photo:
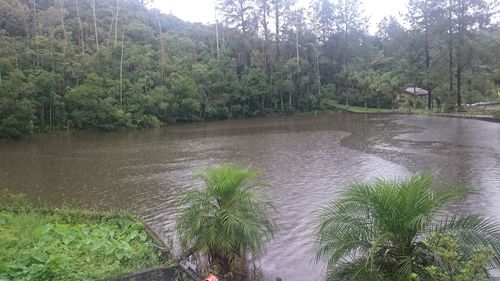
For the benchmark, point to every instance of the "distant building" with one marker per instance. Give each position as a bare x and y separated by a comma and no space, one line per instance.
413,92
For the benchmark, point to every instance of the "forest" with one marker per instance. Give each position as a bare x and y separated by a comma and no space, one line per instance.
112,64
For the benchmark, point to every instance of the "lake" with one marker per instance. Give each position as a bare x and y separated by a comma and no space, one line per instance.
307,160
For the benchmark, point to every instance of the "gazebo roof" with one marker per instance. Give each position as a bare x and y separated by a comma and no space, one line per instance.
416,91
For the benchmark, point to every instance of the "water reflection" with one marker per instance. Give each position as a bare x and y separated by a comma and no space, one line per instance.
307,160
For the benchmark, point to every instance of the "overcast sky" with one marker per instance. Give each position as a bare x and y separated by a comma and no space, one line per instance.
203,10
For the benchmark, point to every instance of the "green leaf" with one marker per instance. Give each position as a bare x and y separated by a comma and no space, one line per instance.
42,230
98,245
41,257
3,267
132,235
143,236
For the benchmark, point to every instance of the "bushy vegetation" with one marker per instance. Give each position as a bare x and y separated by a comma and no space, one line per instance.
107,65
393,230
38,245
451,263
226,221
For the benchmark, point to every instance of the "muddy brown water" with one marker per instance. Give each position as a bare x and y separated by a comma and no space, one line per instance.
307,160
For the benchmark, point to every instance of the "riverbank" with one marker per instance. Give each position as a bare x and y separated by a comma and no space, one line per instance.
493,117
45,244
359,109
335,107
483,117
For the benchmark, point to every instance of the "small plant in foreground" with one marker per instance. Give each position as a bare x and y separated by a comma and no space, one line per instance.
377,231
228,220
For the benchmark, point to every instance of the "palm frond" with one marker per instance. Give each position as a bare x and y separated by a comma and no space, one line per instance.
351,270
383,223
228,218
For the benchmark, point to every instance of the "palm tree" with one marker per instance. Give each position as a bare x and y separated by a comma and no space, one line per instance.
228,220
376,231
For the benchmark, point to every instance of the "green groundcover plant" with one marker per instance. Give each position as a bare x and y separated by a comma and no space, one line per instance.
71,245
450,263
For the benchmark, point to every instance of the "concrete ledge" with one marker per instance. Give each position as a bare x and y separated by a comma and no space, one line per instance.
160,273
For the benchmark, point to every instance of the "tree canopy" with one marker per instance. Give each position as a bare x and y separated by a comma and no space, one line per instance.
110,64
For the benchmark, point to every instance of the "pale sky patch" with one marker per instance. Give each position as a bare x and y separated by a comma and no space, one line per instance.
203,10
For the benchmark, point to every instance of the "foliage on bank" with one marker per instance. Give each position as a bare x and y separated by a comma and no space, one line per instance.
395,230
108,65
38,245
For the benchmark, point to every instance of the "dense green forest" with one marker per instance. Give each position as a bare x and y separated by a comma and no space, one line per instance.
110,64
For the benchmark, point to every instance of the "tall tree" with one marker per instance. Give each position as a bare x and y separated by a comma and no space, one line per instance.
237,13
351,24
423,15
82,40
116,20
35,33
470,15
323,19
281,10
162,50
93,6
450,46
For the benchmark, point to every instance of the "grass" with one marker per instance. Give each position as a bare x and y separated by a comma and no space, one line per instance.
360,109
467,112
72,245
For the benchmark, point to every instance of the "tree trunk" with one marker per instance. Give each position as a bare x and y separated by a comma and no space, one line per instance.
217,36
427,54
459,88
41,112
35,34
429,99
289,100
121,74
267,63
460,64
52,52
298,67
63,14
297,48
162,71
450,46
116,22
80,25
242,18
318,74
277,28
93,6
265,12
346,63
50,113
111,27
281,101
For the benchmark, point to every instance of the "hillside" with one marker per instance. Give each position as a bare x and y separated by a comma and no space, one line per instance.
111,64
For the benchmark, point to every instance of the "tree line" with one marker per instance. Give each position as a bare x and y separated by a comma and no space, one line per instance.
111,64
